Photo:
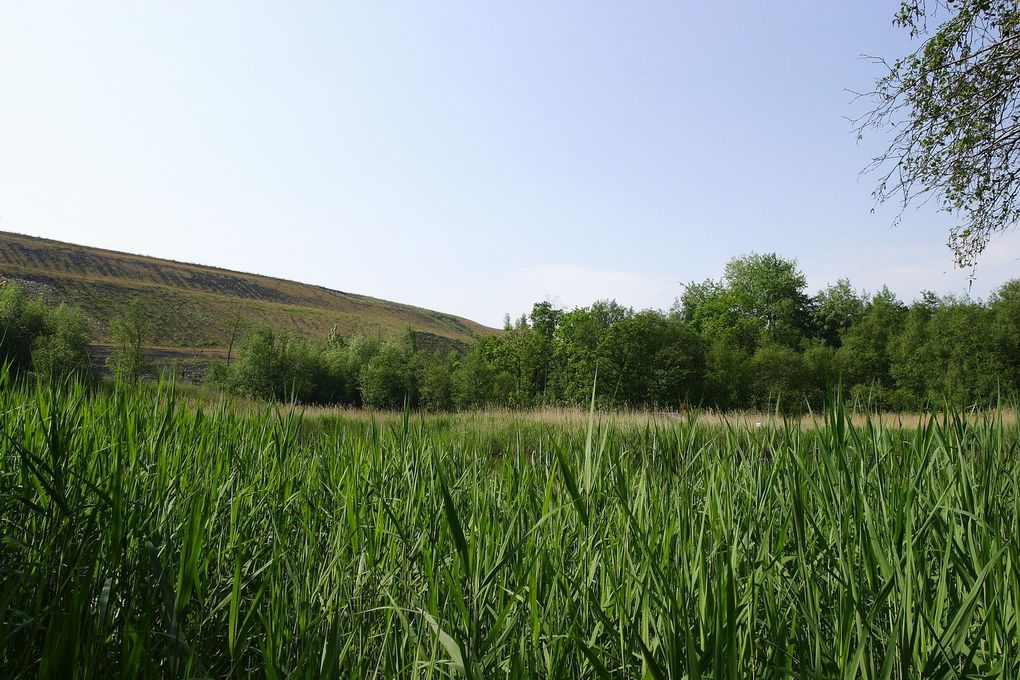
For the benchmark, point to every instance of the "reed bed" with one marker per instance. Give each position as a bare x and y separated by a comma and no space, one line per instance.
142,537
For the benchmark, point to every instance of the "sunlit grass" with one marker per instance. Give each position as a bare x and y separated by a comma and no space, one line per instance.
143,537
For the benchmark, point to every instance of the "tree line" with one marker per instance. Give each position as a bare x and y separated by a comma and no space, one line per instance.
752,339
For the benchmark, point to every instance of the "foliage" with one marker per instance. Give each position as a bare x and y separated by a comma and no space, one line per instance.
780,378
145,538
760,300
865,350
388,380
62,349
52,341
954,107
131,331
1005,310
22,321
754,339
836,309
279,366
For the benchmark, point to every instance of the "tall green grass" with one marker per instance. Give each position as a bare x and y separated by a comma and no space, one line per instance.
141,538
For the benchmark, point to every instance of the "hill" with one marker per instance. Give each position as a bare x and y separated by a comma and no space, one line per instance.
197,308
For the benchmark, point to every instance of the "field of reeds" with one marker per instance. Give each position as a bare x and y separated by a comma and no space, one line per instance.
143,536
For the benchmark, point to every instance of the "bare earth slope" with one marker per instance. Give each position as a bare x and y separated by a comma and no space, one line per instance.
196,308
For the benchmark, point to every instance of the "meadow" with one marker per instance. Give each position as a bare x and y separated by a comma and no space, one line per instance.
145,535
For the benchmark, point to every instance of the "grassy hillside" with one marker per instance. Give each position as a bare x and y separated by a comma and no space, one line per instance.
196,308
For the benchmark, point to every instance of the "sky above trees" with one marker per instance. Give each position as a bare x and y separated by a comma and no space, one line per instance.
464,157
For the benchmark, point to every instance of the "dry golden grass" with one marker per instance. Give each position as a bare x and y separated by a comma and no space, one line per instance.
573,418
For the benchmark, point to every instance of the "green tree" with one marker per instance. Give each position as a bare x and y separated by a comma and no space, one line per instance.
770,291
513,355
132,331
836,308
728,375
780,379
760,300
474,379
545,320
580,348
954,108
21,322
863,358
54,341
342,360
698,301
646,359
1005,309
436,383
63,347
256,372
909,361
963,364
679,365
821,373
388,379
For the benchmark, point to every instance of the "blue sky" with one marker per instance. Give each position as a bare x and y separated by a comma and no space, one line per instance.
464,156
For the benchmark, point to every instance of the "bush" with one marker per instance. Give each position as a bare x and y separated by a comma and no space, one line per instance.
21,322
63,347
388,379
53,341
131,330
278,366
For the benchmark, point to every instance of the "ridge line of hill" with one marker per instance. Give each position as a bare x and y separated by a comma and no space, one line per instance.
195,306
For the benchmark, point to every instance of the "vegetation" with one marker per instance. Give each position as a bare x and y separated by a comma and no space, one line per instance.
52,341
197,307
131,331
143,538
753,339
147,536
954,108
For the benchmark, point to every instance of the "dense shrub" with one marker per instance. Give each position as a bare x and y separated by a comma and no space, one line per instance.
389,378
22,321
52,341
284,367
63,347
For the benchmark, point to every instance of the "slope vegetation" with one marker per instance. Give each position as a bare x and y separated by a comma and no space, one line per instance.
197,309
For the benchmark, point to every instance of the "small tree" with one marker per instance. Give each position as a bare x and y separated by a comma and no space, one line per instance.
21,321
131,330
388,379
63,348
